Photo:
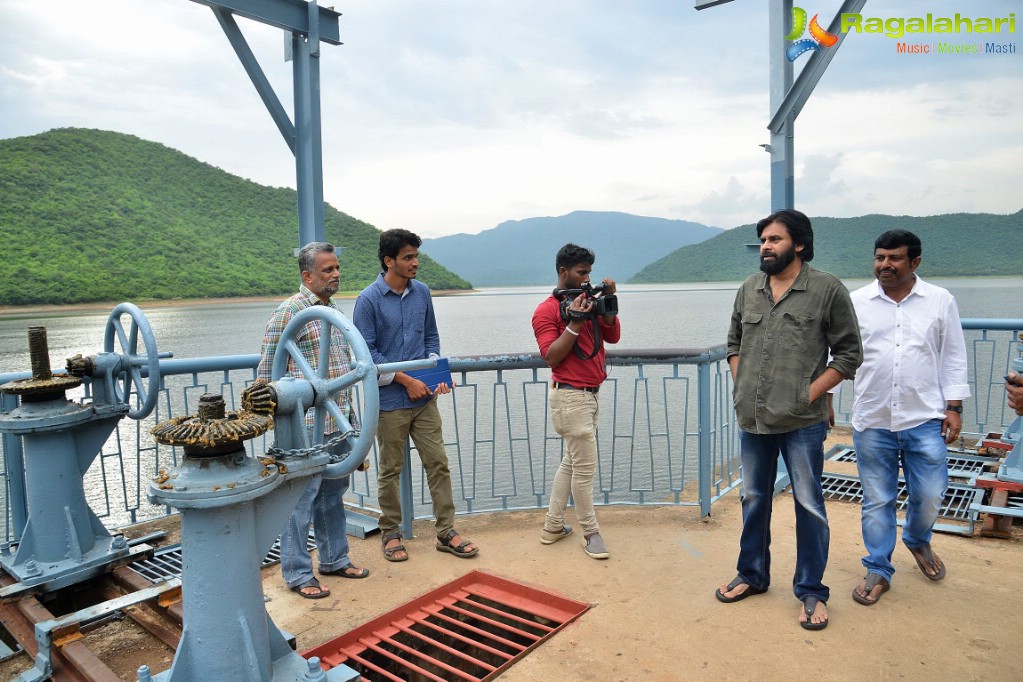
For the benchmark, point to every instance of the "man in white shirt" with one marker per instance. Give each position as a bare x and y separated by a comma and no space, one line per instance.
908,407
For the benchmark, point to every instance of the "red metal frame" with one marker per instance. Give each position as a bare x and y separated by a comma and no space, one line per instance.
441,607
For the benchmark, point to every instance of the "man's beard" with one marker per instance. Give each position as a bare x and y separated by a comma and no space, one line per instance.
328,290
781,261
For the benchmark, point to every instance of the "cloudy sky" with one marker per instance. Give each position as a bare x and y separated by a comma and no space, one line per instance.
452,116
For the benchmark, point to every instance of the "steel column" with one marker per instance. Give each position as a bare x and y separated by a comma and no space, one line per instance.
782,146
308,149
408,500
704,426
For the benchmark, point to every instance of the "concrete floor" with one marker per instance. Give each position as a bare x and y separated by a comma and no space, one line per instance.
654,614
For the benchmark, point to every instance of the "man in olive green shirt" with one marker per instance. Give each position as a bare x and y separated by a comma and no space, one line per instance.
786,322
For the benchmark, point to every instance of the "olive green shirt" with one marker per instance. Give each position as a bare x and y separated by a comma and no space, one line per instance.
783,346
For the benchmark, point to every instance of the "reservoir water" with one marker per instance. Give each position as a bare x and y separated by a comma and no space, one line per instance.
487,321
494,467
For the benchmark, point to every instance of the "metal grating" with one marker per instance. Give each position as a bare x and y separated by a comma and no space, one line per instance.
1014,500
841,453
956,504
967,466
167,562
961,463
471,629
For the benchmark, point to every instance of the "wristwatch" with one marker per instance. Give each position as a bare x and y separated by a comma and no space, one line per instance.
954,408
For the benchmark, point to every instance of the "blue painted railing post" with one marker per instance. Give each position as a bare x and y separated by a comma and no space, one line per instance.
408,503
703,426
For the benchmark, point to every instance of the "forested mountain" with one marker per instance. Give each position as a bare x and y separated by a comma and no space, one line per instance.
521,252
954,245
91,215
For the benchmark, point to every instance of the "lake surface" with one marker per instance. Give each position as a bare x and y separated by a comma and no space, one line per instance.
495,320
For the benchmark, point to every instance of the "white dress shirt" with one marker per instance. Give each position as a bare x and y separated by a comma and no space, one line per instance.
914,357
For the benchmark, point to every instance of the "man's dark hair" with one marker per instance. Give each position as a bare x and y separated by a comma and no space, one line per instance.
893,239
392,241
571,255
307,255
798,226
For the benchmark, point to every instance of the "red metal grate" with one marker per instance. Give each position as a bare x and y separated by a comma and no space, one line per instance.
471,629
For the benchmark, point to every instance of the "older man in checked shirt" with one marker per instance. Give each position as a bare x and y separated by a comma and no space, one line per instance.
322,503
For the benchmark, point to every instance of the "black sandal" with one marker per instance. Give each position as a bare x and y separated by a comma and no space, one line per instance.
389,552
320,592
343,572
871,581
736,581
927,559
810,603
444,545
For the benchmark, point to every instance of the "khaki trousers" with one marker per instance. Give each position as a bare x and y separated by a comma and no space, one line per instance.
423,425
574,414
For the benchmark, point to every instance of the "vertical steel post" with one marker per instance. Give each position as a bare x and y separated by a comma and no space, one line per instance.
782,141
703,429
408,501
308,147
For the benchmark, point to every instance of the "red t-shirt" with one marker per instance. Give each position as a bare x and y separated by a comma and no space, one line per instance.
548,326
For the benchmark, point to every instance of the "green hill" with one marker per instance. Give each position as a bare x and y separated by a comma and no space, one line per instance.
954,245
91,215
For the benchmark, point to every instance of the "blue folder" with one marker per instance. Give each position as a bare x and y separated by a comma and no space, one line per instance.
441,374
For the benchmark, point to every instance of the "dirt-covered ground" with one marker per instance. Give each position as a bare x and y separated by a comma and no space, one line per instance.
654,616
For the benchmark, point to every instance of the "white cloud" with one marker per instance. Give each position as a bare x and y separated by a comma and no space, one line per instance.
452,117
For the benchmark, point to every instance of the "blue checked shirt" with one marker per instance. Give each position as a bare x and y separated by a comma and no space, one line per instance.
309,345
397,327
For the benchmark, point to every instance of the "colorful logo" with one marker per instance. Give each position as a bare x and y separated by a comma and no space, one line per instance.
818,36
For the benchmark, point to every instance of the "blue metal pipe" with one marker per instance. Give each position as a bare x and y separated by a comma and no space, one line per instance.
995,324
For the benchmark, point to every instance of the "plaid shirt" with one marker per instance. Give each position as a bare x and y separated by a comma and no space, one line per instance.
309,344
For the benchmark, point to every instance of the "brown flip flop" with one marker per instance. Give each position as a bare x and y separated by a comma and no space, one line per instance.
927,559
320,592
871,581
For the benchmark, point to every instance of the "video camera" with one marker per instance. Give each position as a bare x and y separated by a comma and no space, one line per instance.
602,304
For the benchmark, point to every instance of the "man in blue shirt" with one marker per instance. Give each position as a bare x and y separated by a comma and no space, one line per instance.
395,316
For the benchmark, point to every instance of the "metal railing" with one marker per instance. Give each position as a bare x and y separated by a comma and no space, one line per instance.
666,435
991,344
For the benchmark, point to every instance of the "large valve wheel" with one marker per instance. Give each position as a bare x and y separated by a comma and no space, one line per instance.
130,375
325,389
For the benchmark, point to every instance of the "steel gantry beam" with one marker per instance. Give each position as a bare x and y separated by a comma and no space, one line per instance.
309,25
788,96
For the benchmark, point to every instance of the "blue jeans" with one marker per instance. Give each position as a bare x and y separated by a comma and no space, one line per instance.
924,457
803,452
323,506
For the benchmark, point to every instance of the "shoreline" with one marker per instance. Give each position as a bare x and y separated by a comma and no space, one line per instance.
38,308
15,311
